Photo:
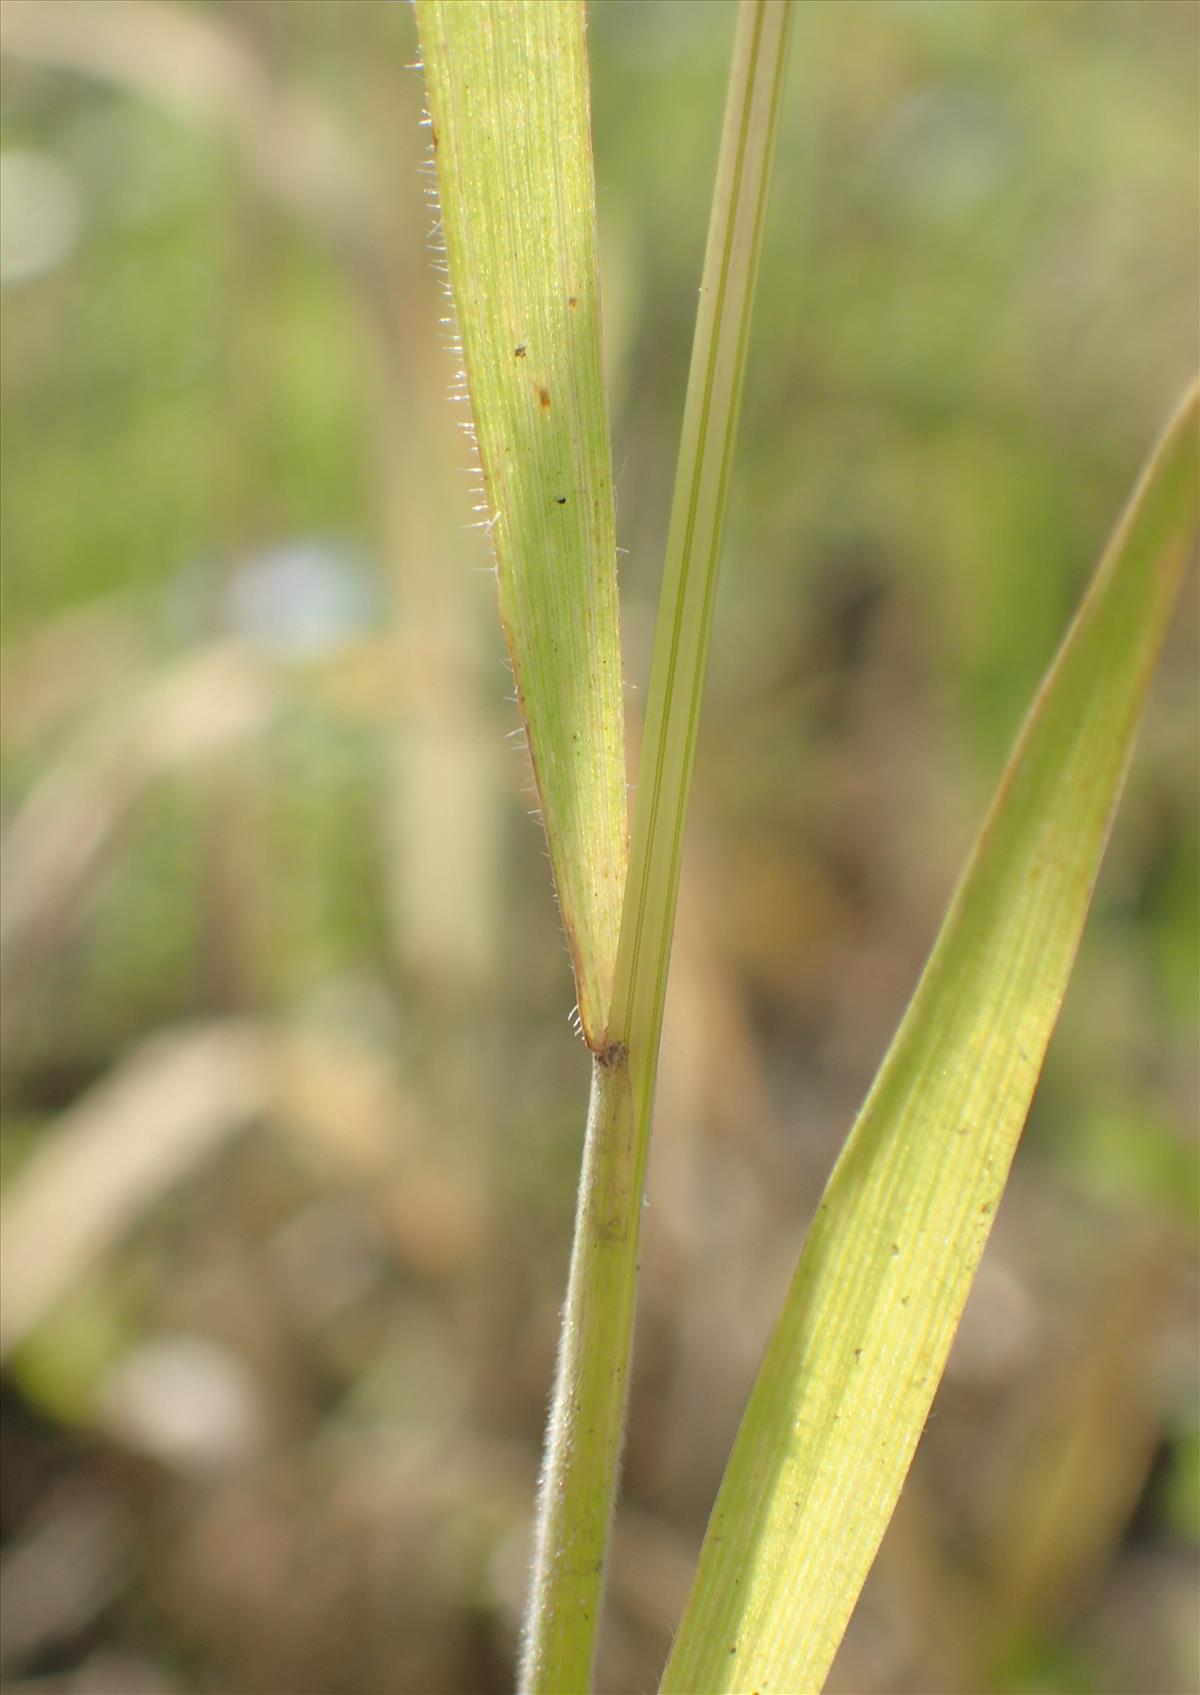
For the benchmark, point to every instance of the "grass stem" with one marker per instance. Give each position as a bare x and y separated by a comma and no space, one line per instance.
583,1445
580,1475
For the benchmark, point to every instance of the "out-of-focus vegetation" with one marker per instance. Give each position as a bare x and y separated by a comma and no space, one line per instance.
281,1275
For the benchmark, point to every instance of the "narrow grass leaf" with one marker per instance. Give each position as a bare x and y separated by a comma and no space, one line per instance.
694,539
508,101
850,1372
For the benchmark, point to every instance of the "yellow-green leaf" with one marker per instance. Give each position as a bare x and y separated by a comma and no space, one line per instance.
703,473
850,1372
508,100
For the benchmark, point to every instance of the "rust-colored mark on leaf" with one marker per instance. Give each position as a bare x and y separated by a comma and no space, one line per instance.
544,398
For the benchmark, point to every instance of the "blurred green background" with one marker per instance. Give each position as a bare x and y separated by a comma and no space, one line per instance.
292,1110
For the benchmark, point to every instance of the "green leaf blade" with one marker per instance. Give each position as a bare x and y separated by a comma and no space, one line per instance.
851,1370
707,442
508,98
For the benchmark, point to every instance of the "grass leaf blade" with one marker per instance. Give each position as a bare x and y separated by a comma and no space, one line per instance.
508,100
850,1372
697,527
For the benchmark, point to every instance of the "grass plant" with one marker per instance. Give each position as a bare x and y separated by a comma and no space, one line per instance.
848,1378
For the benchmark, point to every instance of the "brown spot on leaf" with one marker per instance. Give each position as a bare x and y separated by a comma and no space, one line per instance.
519,352
544,398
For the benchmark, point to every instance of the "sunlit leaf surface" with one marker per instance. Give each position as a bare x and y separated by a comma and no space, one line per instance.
508,99
851,1370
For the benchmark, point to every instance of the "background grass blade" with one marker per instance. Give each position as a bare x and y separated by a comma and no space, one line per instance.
852,1367
508,100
